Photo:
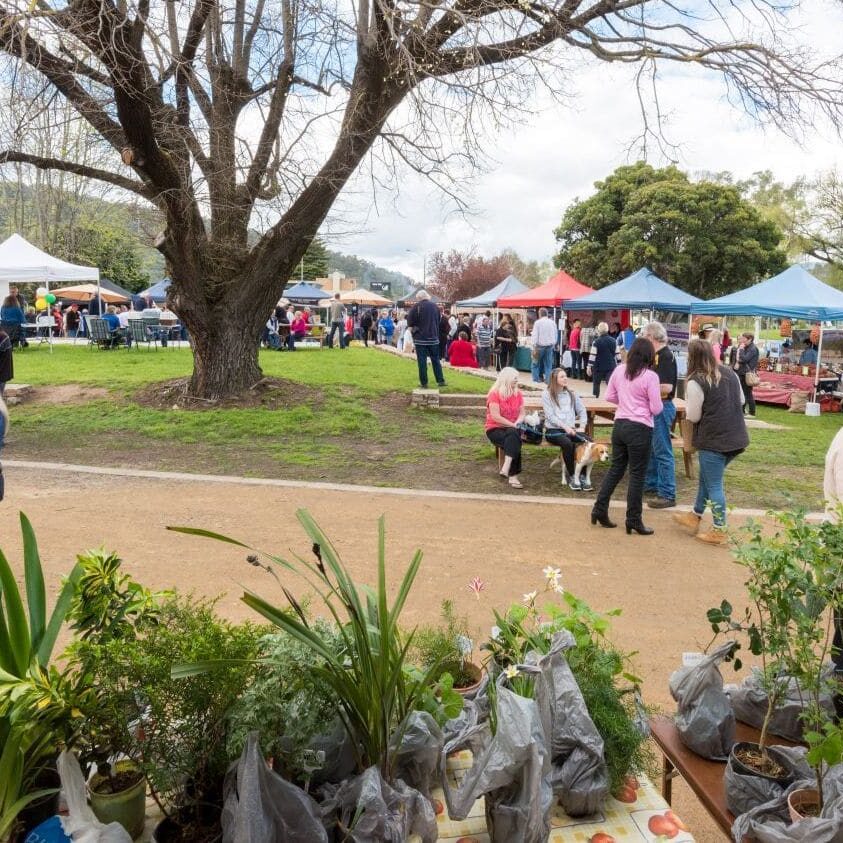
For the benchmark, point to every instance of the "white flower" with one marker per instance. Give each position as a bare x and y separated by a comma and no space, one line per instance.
530,598
552,574
511,672
465,645
557,587
496,633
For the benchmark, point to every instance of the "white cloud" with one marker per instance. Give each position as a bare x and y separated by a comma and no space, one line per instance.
556,157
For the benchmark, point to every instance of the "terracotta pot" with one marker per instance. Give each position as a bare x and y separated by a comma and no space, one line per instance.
476,674
799,800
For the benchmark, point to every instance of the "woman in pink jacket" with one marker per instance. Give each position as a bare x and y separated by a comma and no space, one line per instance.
635,389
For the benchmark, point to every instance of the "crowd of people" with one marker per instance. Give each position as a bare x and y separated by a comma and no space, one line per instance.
18,318
642,387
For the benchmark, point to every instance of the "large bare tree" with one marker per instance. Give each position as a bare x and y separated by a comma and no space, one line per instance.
239,115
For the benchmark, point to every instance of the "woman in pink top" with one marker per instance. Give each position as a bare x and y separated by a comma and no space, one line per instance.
504,412
635,389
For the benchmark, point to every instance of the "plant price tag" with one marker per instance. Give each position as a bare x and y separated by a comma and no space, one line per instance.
692,659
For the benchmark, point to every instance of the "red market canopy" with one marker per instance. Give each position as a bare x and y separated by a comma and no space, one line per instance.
561,287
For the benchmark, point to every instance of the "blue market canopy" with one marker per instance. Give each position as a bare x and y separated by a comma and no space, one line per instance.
304,293
794,293
643,290
157,292
509,286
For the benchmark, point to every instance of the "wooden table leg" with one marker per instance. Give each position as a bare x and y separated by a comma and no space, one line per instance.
668,773
689,464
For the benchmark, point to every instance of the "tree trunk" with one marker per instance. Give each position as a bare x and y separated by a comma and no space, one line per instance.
225,359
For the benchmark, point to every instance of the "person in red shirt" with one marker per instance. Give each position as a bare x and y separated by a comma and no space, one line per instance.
504,412
574,348
462,352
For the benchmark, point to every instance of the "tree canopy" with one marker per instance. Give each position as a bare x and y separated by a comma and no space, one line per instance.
233,116
703,236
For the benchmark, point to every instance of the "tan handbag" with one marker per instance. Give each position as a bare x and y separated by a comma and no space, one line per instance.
752,379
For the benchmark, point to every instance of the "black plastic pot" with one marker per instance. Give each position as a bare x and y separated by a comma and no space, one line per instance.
41,809
740,767
172,829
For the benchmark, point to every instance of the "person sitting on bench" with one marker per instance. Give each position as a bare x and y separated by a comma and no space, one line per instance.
504,412
563,410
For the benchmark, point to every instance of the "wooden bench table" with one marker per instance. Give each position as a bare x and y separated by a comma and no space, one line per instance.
704,777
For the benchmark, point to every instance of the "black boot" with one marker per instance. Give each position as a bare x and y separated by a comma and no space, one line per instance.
638,527
601,518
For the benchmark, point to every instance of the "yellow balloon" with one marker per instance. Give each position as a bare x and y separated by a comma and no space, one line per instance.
40,304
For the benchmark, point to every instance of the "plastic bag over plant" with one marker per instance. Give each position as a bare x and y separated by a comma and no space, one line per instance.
366,809
578,771
770,822
511,767
416,752
749,702
704,717
261,807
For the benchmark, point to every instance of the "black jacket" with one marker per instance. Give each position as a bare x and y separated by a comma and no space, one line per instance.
747,358
6,366
423,318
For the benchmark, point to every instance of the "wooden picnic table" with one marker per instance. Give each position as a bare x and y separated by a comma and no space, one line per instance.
601,408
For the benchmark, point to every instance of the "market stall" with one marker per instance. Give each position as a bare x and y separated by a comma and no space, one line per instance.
510,286
20,261
642,291
792,294
552,294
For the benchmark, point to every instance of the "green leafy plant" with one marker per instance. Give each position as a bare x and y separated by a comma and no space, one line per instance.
285,701
108,606
29,715
448,645
178,731
609,688
793,577
367,673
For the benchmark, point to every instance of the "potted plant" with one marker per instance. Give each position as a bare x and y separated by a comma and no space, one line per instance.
373,686
108,606
450,647
794,577
608,686
32,718
177,731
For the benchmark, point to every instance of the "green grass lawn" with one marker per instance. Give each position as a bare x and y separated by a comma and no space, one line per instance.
347,420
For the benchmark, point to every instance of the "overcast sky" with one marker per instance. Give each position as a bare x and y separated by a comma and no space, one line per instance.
544,165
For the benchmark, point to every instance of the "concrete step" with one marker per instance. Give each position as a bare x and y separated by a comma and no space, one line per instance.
17,392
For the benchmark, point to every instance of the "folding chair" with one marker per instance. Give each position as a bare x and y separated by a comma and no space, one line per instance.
101,336
139,334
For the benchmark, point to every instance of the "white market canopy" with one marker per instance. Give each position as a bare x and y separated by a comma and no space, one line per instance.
21,261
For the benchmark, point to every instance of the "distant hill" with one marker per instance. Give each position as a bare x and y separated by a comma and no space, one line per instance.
366,272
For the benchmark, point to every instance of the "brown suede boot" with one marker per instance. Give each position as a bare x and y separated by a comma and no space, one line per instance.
688,520
713,537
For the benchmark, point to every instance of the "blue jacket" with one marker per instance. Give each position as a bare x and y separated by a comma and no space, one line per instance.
423,318
12,315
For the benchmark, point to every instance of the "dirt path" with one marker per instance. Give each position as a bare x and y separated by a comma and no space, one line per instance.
663,583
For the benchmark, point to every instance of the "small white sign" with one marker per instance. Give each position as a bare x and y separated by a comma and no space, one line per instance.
692,659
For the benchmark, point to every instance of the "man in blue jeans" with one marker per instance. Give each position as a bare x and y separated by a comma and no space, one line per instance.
660,480
423,319
545,336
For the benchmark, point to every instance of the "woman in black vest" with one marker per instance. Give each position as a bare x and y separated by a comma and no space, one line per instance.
714,402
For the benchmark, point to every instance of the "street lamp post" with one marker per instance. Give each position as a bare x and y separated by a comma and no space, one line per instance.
424,266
